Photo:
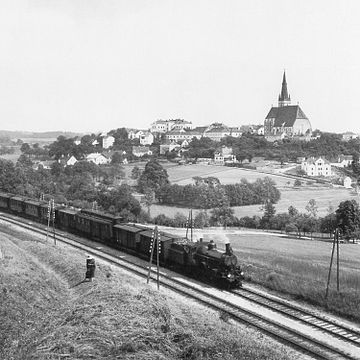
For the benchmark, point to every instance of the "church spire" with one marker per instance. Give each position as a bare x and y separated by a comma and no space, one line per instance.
284,97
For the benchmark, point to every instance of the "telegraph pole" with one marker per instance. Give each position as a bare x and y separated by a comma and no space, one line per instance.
48,219
335,243
53,219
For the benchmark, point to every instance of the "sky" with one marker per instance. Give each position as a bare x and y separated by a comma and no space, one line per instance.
91,65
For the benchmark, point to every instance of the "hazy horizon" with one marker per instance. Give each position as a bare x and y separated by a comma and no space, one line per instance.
90,65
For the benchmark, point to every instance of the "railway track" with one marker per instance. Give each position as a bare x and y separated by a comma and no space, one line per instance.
322,323
286,334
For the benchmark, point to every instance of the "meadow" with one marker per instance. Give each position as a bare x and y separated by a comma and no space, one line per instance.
300,268
324,195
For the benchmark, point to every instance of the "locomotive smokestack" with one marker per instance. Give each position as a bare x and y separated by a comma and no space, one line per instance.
228,249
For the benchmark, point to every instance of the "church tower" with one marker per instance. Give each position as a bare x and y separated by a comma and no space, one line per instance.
284,97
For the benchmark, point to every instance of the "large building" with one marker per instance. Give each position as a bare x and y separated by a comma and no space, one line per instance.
286,120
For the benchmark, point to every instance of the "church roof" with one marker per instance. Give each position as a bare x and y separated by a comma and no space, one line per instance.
284,96
286,115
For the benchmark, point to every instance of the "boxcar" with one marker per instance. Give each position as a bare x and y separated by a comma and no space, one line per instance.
101,229
66,218
128,236
165,240
103,215
16,204
32,209
4,201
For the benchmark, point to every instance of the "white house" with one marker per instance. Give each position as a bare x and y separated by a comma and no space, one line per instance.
146,138
98,159
71,161
347,182
140,151
343,161
107,141
316,167
349,136
172,145
163,126
224,155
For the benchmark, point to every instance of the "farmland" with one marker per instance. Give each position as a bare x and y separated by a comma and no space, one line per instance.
298,197
300,268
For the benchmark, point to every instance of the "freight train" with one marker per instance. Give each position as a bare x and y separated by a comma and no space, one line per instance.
198,259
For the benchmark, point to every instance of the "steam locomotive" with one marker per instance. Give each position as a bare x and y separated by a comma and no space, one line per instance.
197,259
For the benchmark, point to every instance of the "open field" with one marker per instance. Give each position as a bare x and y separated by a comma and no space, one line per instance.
298,197
295,197
47,311
300,267
183,175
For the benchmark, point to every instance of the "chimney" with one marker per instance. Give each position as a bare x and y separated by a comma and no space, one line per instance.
227,247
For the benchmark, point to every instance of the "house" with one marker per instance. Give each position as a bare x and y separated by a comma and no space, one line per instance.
46,164
95,142
343,161
68,161
260,131
182,134
98,159
140,151
107,141
286,120
217,131
316,167
347,182
147,138
349,136
77,141
300,159
163,126
169,146
224,156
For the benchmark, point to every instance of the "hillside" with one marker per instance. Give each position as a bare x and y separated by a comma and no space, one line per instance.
48,312
38,135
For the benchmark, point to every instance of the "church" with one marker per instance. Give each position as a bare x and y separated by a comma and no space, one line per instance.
286,120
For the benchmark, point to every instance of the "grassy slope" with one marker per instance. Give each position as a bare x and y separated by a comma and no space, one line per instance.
46,312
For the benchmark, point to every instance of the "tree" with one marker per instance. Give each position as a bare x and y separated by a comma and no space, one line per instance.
201,220
297,183
328,223
149,199
348,218
269,212
312,208
154,177
223,215
135,172
179,220
24,160
25,148
293,211
117,158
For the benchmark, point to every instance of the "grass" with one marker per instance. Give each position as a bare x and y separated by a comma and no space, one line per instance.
298,197
47,312
300,268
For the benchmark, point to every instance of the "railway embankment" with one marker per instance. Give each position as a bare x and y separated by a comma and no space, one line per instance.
48,311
